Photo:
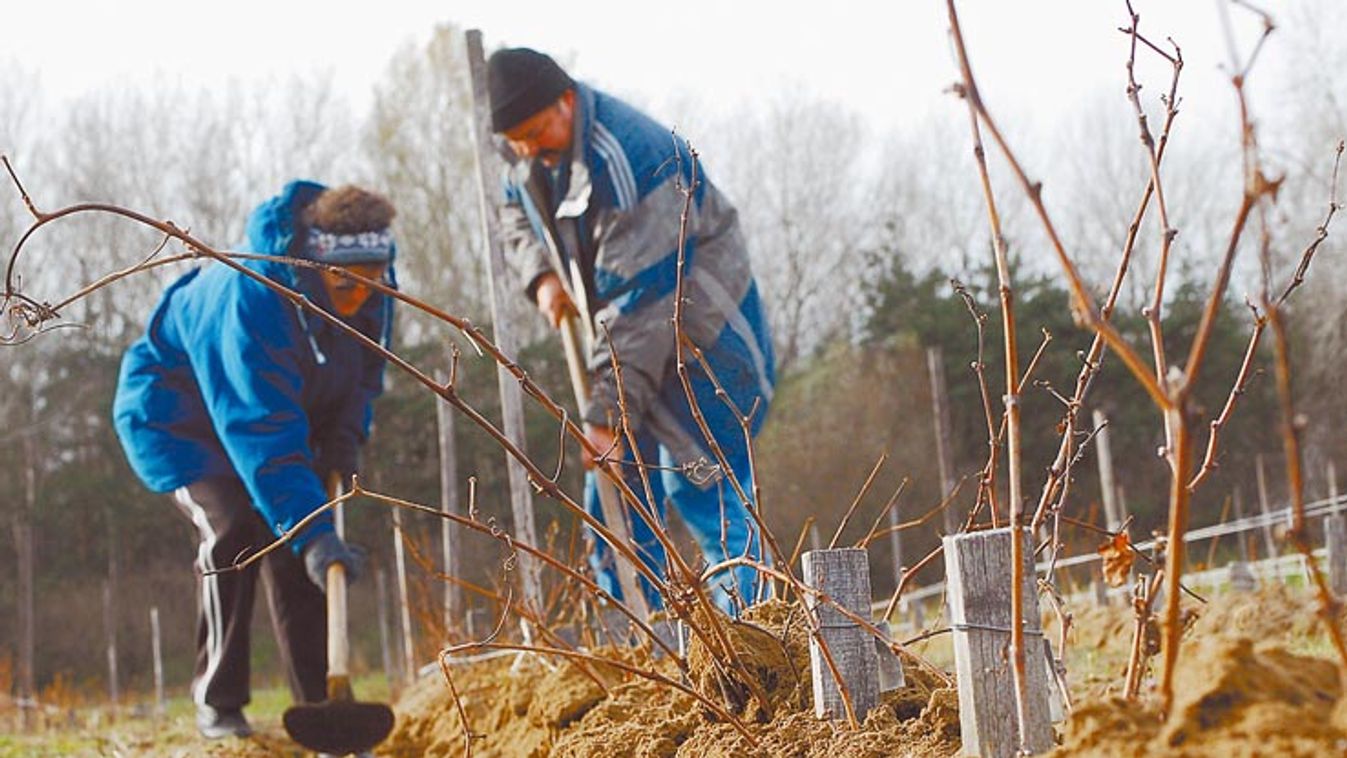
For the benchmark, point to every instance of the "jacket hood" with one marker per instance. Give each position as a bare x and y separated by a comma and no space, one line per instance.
271,227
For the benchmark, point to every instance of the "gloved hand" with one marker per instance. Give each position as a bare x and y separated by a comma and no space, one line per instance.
328,549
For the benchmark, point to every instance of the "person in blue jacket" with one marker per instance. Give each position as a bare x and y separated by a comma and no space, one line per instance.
602,185
241,404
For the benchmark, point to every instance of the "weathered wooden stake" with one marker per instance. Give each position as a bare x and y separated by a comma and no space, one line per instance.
511,394
24,557
1107,489
1100,592
1263,506
1335,539
1241,537
944,451
157,653
404,601
896,544
110,628
842,574
977,566
453,594
1333,486
381,593
815,542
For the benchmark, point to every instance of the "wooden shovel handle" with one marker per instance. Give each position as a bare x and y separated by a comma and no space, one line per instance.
610,500
338,646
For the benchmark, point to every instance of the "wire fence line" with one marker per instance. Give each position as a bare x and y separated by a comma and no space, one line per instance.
1272,567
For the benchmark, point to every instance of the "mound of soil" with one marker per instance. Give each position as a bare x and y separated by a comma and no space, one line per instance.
525,706
1233,697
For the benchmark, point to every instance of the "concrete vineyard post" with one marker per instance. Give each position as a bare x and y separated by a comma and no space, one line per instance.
977,566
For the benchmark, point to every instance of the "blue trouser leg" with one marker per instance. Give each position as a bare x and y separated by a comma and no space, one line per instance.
717,519
713,513
648,546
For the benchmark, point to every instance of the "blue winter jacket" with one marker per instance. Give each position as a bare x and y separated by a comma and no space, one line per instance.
232,379
615,208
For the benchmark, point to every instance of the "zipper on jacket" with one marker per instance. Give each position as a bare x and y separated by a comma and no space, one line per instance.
313,341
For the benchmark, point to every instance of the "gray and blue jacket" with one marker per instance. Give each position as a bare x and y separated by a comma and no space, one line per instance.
615,206
232,379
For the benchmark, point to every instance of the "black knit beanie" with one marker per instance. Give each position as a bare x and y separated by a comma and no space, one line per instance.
522,82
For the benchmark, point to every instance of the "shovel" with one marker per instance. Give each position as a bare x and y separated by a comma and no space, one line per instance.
339,725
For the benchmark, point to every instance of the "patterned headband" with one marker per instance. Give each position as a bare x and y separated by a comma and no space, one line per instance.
348,249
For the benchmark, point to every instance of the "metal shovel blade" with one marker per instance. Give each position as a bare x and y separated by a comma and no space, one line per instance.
339,727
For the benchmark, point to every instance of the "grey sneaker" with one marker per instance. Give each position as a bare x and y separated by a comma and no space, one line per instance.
217,723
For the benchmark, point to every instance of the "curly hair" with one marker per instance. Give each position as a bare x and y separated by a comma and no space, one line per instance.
350,210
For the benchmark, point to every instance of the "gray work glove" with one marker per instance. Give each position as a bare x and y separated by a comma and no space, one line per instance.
328,549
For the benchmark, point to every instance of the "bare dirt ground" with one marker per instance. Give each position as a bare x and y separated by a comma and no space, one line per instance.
1255,678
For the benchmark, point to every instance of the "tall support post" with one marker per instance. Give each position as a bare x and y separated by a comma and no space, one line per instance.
157,651
944,451
896,544
1107,488
110,630
511,396
844,576
385,636
1241,537
976,567
453,594
24,557
1333,487
404,601
1264,507
110,614
1335,538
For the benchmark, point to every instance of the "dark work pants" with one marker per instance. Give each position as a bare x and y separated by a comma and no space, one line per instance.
230,530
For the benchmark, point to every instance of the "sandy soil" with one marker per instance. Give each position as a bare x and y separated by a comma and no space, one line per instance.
1256,677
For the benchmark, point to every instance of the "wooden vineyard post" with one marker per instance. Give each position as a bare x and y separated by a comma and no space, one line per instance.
944,451
977,565
1107,489
24,557
110,629
1335,538
1239,518
453,594
381,595
157,653
842,574
404,601
896,543
511,394
1264,508
1241,578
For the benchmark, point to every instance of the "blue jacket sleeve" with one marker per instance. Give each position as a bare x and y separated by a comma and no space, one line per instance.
246,355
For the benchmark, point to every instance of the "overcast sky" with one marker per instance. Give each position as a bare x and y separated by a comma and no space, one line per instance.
890,61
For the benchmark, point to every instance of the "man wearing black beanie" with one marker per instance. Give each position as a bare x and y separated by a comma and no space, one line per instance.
603,185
